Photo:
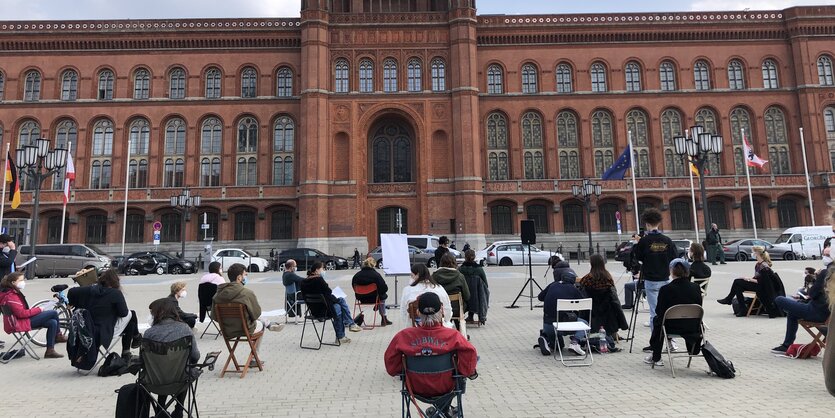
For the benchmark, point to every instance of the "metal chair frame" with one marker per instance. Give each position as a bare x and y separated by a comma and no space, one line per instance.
573,305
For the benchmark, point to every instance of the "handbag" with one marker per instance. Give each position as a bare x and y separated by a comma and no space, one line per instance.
803,351
359,319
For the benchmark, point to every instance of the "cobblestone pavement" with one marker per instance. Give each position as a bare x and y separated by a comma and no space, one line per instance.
515,380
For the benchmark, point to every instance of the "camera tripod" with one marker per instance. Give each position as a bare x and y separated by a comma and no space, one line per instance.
633,320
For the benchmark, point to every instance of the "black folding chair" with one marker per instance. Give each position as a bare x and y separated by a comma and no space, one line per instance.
205,293
319,310
440,406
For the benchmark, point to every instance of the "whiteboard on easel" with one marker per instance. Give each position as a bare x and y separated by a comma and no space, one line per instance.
395,254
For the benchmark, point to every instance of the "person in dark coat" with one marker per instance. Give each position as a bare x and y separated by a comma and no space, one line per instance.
315,284
600,287
178,291
714,245
369,275
698,269
744,284
443,248
680,291
562,270
548,335
356,259
109,310
8,253
479,291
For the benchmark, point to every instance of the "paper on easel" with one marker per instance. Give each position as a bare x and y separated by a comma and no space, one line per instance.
27,262
339,293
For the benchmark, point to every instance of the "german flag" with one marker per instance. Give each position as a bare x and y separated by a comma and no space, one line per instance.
11,177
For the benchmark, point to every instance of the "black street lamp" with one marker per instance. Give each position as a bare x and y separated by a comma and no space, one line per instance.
184,203
585,192
32,160
698,146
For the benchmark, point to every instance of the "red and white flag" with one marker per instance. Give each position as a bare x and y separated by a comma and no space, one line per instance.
70,176
751,159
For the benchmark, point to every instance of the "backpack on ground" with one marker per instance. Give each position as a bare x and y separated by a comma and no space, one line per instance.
717,363
114,365
131,402
803,351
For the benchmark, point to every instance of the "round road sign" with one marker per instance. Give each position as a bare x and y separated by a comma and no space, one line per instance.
157,225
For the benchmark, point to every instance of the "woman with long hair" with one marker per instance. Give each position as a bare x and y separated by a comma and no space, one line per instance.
421,283
24,318
744,284
606,308
315,284
369,275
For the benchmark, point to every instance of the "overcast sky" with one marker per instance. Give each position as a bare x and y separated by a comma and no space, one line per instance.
132,9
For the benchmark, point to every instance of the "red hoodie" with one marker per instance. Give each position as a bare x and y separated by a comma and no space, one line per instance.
438,340
20,310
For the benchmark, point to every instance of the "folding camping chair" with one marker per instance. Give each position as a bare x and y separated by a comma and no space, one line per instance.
318,311
440,406
816,330
205,294
573,305
23,340
232,312
366,290
681,312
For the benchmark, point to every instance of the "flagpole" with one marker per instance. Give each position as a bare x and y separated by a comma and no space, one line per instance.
3,205
693,197
750,195
125,211
64,212
634,187
808,180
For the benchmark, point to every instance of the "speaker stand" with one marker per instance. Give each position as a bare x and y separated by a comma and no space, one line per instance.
528,283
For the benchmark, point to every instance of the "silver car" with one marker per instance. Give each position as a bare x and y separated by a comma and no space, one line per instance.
740,249
512,253
416,255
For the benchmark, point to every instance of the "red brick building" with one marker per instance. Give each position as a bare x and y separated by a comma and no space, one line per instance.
315,131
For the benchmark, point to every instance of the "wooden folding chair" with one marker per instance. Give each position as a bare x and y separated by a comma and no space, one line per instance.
366,290
815,329
413,312
703,284
232,312
755,307
457,303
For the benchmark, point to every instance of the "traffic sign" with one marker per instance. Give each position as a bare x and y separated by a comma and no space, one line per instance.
156,237
157,225
204,226
617,215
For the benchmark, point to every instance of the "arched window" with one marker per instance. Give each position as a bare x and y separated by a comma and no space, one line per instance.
740,120
214,83
387,221
667,75
366,76
633,76
249,82
529,79
389,76
671,128
140,133
564,78
770,74
69,86
539,215
53,229
281,226
247,135
497,147
438,75
284,82
787,212
573,217
105,91
606,217
776,136
32,86
141,84
495,79
829,126
172,230
736,77
247,171
718,213
568,144
245,225
501,220
602,141
746,214
100,173
210,147
701,75
532,144
174,169
598,78
414,74
341,83
636,123
680,215
706,118
825,71
391,151
134,228
177,84
66,132
283,142
96,229
175,145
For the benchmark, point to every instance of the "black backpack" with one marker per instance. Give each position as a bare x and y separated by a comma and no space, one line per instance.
717,363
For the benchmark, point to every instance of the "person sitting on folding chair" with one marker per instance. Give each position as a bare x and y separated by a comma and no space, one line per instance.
680,291
745,284
429,339
291,282
315,284
562,289
167,327
698,269
23,318
213,276
178,291
423,282
368,275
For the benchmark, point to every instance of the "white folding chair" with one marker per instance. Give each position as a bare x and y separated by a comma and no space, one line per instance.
573,305
678,312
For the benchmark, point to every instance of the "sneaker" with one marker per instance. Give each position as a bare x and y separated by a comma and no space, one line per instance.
646,324
544,347
576,349
647,349
673,345
355,328
780,349
725,301
275,326
343,340
648,360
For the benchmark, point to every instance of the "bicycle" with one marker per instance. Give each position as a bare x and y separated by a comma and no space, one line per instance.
61,304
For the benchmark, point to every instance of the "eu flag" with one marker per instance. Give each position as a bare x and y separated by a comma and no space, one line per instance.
618,170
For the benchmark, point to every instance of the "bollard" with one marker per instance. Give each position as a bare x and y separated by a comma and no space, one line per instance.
579,254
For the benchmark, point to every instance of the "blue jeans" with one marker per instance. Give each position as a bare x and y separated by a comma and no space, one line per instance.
652,289
796,311
342,317
49,320
551,333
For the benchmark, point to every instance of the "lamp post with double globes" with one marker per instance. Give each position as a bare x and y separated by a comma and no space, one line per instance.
585,192
698,146
184,203
38,163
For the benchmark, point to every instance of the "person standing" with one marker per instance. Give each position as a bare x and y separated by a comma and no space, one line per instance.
356,259
654,251
714,245
8,253
443,248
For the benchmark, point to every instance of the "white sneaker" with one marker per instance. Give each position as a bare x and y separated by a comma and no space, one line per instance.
646,324
576,349
648,360
275,326
355,328
673,345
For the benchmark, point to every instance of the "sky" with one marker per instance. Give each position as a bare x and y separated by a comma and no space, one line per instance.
161,9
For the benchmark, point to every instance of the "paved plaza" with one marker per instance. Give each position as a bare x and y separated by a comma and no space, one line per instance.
514,379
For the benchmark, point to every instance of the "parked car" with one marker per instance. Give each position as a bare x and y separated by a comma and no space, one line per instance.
416,255
174,265
429,243
683,245
510,253
740,250
64,259
623,251
142,264
802,241
305,257
228,256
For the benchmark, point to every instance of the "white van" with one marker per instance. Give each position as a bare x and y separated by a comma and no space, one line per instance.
804,240
429,243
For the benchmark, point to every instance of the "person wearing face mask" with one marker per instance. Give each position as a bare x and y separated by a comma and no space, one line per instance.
744,284
315,284
23,318
178,291
8,252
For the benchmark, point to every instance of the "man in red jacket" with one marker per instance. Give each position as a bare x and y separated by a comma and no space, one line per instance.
429,339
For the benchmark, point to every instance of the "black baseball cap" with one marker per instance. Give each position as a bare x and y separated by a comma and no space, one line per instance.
429,303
